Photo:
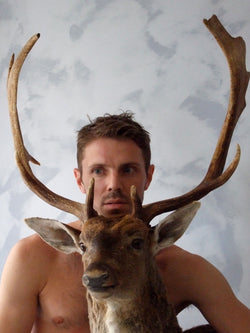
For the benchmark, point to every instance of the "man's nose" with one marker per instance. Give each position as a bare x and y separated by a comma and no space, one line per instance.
114,182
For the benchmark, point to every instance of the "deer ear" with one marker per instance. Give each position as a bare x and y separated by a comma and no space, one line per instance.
57,234
173,226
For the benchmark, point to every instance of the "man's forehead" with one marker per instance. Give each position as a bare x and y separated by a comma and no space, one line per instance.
102,149
98,142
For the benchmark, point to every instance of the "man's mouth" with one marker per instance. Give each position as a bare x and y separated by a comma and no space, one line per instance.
116,203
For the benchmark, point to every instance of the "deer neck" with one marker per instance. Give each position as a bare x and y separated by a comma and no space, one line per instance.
147,311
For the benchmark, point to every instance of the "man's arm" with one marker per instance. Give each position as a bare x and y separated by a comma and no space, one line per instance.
190,279
215,299
19,289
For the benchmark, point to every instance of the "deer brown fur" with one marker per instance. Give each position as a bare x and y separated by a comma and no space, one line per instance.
125,292
133,297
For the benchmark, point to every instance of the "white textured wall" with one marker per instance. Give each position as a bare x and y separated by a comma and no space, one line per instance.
154,57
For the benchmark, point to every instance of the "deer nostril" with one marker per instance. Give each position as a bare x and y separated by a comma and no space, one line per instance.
95,282
85,280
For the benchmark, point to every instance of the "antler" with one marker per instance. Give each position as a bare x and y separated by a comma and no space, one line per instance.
235,52
22,155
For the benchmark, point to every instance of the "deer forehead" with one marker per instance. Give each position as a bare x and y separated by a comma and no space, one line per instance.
113,229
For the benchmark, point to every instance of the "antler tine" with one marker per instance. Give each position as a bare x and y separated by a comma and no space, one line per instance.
22,155
136,203
89,211
235,52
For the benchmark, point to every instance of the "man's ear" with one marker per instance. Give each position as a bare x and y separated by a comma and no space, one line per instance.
79,182
173,226
149,176
57,234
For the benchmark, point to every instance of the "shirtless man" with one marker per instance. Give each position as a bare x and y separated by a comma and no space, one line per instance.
41,290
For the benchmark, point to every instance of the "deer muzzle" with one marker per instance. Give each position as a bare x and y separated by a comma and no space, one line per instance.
95,282
99,280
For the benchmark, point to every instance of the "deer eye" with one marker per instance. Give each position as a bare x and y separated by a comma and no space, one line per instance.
82,247
137,243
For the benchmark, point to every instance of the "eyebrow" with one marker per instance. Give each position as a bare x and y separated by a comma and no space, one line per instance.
133,164
96,165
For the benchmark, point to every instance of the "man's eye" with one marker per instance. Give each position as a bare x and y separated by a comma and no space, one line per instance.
97,171
128,170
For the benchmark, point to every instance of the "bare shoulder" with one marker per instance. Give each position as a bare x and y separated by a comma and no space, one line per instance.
190,278
181,270
36,256
181,262
175,257
30,257
26,273
174,263
32,248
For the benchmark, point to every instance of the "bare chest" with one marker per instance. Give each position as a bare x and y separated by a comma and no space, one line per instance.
62,302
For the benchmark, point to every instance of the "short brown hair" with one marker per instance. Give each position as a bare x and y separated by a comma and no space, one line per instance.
120,127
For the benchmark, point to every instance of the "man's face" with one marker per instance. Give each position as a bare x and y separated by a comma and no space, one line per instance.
116,165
